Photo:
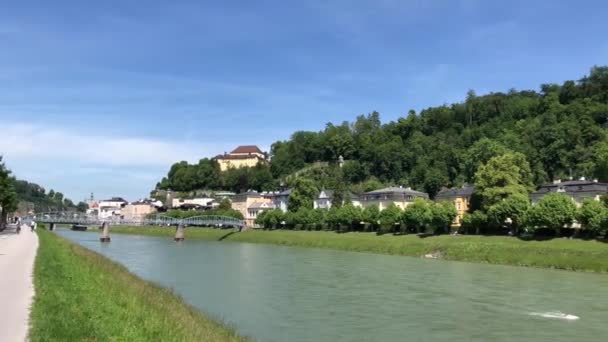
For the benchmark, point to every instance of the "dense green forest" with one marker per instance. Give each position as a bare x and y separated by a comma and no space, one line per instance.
23,196
559,130
36,197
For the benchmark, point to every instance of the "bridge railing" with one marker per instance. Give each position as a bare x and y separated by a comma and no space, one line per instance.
158,220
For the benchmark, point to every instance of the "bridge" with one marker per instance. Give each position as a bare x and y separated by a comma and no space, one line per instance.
157,220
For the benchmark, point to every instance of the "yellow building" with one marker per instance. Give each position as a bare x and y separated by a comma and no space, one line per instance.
401,197
460,197
242,156
250,204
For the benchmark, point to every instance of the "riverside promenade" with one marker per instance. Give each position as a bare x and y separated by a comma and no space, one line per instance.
17,254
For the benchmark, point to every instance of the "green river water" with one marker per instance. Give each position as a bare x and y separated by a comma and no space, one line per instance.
274,293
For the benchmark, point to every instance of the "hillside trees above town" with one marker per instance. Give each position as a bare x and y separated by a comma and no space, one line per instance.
557,131
36,198
22,196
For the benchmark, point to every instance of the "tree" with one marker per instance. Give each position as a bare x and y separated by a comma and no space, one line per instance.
8,196
511,210
225,204
479,154
443,214
418,215
389,218
593,216
303,194
349,217
82,207
601,161
473,223
370,216
339,196
553,211
503,176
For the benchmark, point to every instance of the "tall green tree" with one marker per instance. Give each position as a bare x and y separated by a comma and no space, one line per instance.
303,194
503,176
8,196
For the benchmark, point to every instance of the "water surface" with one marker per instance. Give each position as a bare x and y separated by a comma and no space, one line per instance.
275,293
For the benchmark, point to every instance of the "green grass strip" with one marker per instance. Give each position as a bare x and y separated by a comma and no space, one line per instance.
566,254
82,296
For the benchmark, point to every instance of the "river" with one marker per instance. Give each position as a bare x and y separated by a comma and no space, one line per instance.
275,293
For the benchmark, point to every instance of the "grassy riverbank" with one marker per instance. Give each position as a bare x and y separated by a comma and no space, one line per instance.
576,255
82,296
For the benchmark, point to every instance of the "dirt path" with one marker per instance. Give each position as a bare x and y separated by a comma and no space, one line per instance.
17,254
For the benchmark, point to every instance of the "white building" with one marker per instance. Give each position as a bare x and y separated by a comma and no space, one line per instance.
325,197
111,207
202,202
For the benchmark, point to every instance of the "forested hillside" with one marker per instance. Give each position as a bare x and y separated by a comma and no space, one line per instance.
559,129
36,197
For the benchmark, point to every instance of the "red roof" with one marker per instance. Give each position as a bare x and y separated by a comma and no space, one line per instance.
238,157
247,149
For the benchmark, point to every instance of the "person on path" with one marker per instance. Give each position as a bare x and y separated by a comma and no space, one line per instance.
33,226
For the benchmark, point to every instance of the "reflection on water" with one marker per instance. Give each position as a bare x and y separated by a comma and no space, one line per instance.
278,293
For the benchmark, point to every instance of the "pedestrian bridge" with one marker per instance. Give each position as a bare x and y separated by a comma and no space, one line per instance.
157,220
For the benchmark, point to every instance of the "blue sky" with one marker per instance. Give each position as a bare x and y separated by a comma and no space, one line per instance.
103,96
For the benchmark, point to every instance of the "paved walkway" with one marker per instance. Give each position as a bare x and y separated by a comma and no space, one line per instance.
17,254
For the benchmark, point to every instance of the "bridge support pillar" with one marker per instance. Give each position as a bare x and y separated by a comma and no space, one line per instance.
51,226
179,233
105,233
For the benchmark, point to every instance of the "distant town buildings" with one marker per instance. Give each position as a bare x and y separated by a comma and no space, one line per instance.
577,190
401,197
242,156
193,203
140,209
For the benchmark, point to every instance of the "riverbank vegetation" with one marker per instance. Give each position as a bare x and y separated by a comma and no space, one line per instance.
82,296
559,253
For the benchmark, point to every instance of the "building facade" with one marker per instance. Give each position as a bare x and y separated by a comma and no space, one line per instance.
577,190
460,197
279,199
111,207
401,197
244,201
242,156
139,210
203,202
325,197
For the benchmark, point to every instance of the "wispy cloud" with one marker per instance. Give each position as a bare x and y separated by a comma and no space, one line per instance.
22,141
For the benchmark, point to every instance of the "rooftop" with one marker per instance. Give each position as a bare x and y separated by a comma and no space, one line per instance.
261,205
581,185
115,199
330,194
396,190
236,157
247,149
465,191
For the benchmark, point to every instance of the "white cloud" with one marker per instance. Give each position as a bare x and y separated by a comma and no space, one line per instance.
22,141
